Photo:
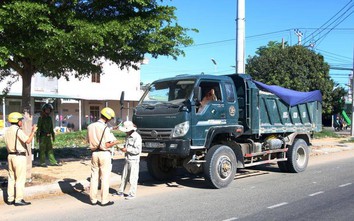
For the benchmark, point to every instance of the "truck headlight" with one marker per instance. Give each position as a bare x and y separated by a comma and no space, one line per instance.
181,129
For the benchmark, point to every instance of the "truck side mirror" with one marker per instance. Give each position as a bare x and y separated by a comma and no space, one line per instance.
121,100
197,91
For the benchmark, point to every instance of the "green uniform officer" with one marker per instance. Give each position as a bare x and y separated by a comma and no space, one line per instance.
45,134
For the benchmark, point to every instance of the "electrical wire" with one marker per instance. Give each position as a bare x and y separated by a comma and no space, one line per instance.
321,29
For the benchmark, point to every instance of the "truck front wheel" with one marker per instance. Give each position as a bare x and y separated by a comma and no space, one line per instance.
220,166
160,168
298,156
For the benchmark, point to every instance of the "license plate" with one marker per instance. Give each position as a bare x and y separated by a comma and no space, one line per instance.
154,145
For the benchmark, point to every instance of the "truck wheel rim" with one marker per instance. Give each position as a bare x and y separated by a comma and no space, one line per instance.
224,167
301,157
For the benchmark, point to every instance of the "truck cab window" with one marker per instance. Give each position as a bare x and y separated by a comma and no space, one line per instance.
230,96
168,92
210,93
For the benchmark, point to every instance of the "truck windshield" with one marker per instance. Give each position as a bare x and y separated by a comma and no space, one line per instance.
174,92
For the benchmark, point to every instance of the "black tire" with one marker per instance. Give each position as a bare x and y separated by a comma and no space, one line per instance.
159,167
298,156
282,164
220,166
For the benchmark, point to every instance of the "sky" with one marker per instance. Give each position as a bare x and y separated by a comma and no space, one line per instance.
328,23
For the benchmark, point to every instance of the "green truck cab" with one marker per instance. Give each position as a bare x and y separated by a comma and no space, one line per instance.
241,126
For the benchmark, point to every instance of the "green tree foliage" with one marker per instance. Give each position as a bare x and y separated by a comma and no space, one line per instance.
58,37
297,68
338,101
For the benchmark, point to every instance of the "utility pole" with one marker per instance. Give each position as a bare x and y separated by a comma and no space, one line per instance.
240,37
299,36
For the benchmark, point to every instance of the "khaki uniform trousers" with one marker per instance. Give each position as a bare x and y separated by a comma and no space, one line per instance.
17,177
131,174
101,167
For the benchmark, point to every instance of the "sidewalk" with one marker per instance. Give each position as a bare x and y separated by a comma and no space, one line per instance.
74,174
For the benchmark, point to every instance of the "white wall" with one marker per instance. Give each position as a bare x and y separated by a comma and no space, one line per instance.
113,82
108,91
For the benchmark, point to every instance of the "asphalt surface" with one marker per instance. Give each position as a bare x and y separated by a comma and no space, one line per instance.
80,181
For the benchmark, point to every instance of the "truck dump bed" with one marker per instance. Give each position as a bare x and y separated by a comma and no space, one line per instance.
262,112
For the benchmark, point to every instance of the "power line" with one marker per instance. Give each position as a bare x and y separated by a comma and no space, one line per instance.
262,35
321,38
320,30
334,54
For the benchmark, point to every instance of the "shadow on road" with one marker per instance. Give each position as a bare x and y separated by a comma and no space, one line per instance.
3,187
182,178
77,191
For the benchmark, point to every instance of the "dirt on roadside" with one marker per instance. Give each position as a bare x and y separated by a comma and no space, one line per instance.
72,169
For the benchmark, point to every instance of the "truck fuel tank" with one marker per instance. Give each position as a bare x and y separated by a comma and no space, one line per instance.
273,143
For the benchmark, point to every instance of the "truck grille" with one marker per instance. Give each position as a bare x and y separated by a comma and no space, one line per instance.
155,133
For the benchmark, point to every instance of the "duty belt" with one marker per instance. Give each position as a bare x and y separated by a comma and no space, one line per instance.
98,150
18,153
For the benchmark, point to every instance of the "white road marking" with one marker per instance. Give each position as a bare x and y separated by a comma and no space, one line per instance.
347,184
277,205
317,193
233,218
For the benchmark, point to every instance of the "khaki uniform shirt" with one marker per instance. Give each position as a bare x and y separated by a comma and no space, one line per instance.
11,139
94,135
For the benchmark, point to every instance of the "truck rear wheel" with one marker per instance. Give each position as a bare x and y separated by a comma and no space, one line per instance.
298,156
220,166
160,168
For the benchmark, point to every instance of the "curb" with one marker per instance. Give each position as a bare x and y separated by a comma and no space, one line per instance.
58,188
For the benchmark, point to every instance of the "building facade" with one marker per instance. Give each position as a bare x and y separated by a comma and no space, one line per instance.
77,102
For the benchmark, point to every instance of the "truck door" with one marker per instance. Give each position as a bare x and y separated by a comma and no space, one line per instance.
210,113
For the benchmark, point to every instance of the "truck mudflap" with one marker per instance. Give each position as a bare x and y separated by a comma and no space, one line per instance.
168,147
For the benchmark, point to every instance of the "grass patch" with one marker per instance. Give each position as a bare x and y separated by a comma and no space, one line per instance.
325,133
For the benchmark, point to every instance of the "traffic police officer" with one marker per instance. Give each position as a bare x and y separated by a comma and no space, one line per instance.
45,134
101,140
16,141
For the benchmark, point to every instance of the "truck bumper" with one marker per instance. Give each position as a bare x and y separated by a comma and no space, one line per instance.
167,147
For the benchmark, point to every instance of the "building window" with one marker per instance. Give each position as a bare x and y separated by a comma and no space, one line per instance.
94,113
96,78
14,106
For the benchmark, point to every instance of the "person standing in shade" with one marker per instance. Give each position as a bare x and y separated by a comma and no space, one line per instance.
101,141
45,135
16,141
132,149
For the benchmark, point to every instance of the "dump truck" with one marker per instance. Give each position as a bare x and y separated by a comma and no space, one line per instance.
247,124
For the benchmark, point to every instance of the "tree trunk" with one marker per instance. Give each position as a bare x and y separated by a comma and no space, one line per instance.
27,121
26,91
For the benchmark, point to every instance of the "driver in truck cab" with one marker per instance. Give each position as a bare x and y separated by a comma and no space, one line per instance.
209,96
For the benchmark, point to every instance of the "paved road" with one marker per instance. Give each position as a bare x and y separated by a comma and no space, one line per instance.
323,192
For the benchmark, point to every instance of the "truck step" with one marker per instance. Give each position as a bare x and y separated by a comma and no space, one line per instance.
266,152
